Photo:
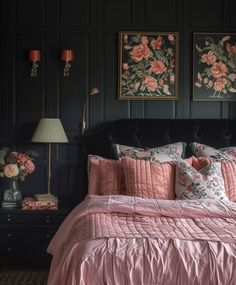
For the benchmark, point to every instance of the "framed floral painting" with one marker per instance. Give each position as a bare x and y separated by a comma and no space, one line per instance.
214,66
148,65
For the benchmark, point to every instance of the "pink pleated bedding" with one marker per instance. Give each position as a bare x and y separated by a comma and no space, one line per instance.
130,240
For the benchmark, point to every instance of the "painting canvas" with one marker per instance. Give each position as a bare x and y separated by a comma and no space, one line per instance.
214,67
148,65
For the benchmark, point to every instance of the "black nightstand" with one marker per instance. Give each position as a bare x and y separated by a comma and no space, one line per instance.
25,235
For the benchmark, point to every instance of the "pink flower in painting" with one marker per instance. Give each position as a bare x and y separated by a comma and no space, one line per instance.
161,82
172,78
219,84
125,37
232,76
144,40
13,153
208,58
11,170
158,66
171,38
127,47
156,44
151,83
210,83
231,48
125,66
140,52
199,76
29,166
219,70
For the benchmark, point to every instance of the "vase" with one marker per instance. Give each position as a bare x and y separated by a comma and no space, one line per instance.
12,197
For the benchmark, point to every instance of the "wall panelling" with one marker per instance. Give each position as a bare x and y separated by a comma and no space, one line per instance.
90,28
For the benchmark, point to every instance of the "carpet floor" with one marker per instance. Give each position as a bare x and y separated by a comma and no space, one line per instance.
23,277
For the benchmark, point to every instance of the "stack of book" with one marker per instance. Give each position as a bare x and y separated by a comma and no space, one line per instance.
40,202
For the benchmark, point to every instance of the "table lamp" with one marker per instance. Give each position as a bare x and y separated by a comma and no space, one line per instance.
49,130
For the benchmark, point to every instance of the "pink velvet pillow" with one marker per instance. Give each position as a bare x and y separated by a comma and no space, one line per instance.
149,179
112,180
105,176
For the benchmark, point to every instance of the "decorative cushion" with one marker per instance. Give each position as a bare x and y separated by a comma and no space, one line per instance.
201,150
149,179
228,169
165,153
105,176
207,183
112,180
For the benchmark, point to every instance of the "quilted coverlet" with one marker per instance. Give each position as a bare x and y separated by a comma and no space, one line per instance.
129,240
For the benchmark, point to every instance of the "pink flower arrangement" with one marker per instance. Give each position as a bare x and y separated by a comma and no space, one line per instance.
16,164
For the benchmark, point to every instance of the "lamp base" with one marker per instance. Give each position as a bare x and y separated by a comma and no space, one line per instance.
43,197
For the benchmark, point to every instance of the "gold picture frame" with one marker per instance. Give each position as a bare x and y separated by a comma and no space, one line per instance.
148,65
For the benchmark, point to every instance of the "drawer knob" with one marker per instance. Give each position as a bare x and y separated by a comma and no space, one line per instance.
47,235
9,249
8,219
48,220
9,235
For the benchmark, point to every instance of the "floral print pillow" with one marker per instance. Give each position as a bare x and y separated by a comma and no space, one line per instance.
207,183
165,153
201,150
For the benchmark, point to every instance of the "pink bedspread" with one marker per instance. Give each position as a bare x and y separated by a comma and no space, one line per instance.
119,240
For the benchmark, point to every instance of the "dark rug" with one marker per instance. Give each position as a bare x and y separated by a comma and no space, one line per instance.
23,277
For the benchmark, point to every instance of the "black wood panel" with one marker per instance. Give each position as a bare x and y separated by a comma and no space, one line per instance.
113,108
117,12
74,12
159,13
74,88
90,28
29,92
232,14
30,13
206,13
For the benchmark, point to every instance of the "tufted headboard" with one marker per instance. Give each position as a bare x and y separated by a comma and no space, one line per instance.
150,133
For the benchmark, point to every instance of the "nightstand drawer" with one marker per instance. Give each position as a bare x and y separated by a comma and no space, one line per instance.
26,241
47,219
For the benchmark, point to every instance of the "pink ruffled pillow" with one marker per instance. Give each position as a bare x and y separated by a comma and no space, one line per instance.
149,179
105,176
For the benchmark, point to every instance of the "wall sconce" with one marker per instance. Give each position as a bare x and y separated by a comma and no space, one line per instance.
34,58
67,56
93,91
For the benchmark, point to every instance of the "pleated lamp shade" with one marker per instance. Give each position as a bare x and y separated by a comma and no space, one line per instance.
49,130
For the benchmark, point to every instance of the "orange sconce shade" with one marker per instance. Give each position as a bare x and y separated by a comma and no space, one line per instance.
67,55
34,58
34,55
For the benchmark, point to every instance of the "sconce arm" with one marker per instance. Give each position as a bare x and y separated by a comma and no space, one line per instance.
83,123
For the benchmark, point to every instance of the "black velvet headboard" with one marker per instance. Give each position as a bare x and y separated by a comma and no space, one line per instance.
150,133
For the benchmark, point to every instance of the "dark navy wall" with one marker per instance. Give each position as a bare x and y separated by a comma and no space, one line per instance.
90,28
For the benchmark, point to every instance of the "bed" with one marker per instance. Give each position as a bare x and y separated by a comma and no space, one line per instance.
132,235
